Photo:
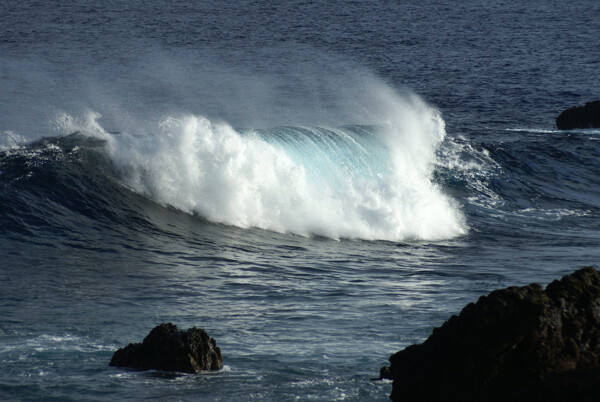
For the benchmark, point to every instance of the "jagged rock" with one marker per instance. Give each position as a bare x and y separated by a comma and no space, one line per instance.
385,373
169,349
516,344
587,116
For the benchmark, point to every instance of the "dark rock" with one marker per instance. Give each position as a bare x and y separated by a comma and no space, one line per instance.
587,116
516,344
169,349
385,373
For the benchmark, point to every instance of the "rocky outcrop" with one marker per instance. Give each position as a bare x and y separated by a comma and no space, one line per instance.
169,349
587,116
516,344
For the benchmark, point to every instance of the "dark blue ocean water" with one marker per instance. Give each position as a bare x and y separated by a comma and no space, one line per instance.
315,184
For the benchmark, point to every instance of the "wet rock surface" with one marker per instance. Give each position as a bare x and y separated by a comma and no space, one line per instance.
169,349
515,344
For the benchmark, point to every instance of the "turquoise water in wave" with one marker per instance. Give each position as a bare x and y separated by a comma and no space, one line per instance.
315,185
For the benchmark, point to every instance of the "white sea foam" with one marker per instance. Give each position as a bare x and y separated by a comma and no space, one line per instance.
248,179
553,214
45,343
593,131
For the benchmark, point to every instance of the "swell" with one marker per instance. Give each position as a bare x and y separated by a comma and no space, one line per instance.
73,186
362,182
65,188
553,170
528,176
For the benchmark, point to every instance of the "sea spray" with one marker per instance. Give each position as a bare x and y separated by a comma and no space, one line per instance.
368,182
10,139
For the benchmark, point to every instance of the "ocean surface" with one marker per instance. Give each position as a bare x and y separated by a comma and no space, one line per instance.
316,184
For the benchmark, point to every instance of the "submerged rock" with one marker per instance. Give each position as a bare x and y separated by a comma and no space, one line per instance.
516,344
169,349
587,116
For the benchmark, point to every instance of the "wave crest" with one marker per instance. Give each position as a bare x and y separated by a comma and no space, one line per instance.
367,182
